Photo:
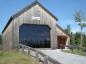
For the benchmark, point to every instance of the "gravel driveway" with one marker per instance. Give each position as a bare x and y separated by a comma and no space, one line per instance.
65,58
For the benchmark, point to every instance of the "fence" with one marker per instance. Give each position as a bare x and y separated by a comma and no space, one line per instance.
41,57
73,47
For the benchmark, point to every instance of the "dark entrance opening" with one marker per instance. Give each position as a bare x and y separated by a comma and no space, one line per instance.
34,35
61,41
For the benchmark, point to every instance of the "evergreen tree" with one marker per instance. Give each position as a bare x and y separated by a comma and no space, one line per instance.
68,29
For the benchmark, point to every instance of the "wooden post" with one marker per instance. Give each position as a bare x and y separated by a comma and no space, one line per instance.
18,47
45,60
37,57
28,50
36,54
22,48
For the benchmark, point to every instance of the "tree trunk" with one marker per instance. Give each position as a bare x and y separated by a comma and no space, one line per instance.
81,37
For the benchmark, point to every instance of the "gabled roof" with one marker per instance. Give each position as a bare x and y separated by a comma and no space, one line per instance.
9,21
25,9
33,4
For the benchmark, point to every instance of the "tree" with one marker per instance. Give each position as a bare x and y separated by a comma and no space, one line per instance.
77,38
80,18
68,29
84,40
72,39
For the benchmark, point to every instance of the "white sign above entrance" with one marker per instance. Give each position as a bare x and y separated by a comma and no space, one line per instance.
35,18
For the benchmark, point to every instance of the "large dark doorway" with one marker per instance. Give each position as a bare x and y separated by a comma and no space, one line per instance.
61,40
34,35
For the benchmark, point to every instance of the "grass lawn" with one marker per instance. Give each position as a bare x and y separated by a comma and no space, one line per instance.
0,46
16,58
78,52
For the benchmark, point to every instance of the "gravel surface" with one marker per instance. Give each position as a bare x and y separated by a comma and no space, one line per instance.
65,58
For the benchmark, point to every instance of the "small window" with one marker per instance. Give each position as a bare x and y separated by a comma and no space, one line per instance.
36,12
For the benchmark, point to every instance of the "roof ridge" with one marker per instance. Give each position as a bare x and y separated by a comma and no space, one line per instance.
29,6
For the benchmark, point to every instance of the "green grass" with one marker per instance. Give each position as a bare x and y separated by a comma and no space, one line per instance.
76,51
0,46
14,57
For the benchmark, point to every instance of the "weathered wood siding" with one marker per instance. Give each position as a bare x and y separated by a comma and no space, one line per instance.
45,19
11,35
7,38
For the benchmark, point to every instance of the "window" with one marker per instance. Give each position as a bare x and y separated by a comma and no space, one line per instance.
34,35
36,12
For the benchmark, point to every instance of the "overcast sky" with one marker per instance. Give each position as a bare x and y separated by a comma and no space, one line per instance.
63,9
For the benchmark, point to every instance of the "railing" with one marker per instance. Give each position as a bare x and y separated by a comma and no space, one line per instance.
41,57
72,47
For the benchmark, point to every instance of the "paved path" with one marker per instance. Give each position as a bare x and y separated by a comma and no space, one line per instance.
65,58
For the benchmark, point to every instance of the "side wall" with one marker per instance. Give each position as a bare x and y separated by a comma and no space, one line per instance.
60,32
7,38
26,17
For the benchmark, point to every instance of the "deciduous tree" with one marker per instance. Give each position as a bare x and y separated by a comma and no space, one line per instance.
80,18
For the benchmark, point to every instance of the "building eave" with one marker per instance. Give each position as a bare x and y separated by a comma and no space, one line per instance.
62,30
9,21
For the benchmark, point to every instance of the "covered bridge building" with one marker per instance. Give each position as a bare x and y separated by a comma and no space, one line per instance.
34,26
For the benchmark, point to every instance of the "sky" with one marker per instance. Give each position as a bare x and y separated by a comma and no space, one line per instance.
63,9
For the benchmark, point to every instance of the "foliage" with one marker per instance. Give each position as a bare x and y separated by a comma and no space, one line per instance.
72,38
84,40
68,29
79,17
14,57
75,39
76,51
